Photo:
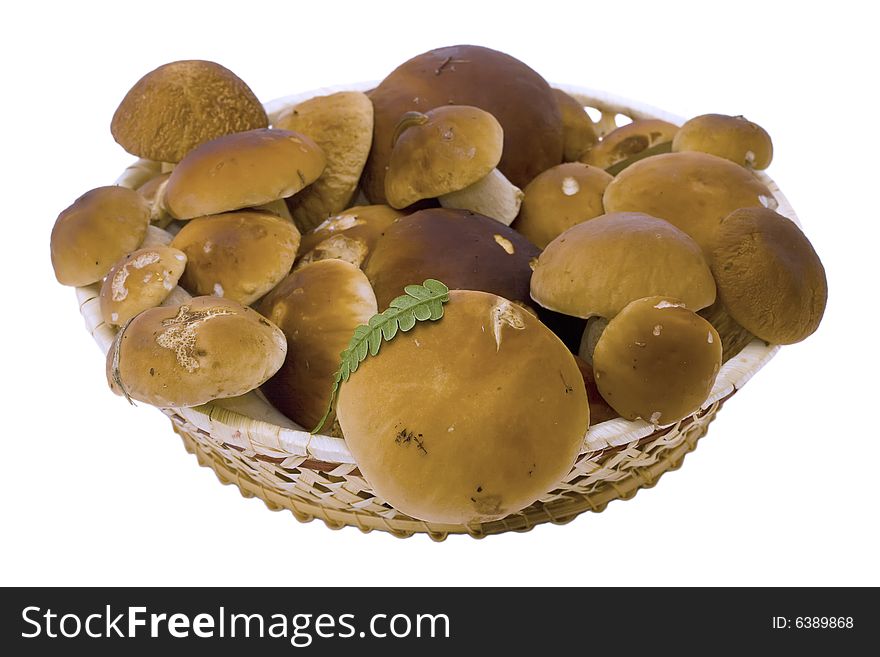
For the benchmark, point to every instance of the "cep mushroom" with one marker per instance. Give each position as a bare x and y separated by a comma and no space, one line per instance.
242,170
141,280
578,131
153,192
341,124
629,141
451,153
98,229
486,404
657,360
181,105
734,138
239,255
559,198
208,348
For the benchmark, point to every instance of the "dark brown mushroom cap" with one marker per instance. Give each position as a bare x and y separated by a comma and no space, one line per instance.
769,277
516,95
465,250
180,105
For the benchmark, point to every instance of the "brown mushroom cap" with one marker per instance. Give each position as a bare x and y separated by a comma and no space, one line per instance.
694,191
98,229
441,151
341,124
734,138
657,360
513,93
242,170
559,198
181,105
142,280
599,266
208,348
348,236
579,134
770,278
463,249
469,418
318,307
628,140
239,255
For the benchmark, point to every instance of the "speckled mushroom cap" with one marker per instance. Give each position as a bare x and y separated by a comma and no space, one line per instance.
734,138
350,235
98,229
656,360
239,255
242,170
579,134
181,105
559,198
629,140
599,266
441,151
513,93
769,277
318,307
694,191
341,124
486,404
463,249
141,280
208,348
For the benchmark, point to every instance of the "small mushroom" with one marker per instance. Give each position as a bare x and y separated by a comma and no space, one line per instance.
629,140
348,236
463,249
734,138
239,255
318,307
181,105
657,360
205,349
599,266
451,153
141,280
694,191
769,277
98,229
559,198
242,170
341,124
578,132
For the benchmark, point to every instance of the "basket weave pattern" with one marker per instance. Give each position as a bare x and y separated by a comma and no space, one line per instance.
316,477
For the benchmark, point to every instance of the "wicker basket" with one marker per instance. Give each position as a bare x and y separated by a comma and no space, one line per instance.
250,444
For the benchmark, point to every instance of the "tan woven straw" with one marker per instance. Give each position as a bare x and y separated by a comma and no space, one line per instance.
250,444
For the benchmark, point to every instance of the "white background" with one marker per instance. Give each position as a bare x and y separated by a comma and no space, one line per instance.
784,490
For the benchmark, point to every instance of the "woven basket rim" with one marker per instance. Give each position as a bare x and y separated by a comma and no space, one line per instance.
251,423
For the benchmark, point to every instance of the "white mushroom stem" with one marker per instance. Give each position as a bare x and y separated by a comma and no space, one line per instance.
493,195
156,237
278,208
176,297
592,333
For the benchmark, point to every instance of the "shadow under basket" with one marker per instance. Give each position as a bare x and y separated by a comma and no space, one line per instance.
248,443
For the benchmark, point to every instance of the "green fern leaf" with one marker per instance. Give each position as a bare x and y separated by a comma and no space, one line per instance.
420,303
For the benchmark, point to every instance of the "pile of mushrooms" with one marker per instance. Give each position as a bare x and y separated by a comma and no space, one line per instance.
592,274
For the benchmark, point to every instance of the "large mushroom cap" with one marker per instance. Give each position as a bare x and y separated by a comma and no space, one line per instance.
318,307
469,418
599,266
242,170
657,360
239,255
180,105
463,249
205,349
441,151
559,198
513,93
141,280
770,278
734,138
694,191
98,229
